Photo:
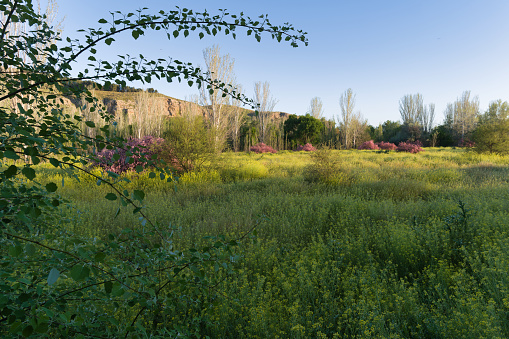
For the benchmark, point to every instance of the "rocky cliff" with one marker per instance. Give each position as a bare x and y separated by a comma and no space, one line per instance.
125,103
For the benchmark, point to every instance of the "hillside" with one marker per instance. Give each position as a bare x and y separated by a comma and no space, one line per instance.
125,102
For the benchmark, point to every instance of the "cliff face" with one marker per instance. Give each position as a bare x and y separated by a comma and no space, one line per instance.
168,106
125,103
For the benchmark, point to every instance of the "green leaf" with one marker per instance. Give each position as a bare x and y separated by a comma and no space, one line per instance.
53,276
108,286
138,195
54,162
42,327
28,172
111,196
30,249
11,171
15,251
117,290
11,155
79,272
27,331
51,187
90,124
151,175
99,257
103,21
175,33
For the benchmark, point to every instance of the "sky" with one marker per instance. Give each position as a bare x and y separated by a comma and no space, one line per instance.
382,50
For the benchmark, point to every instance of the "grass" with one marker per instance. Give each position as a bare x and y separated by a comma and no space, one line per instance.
382,250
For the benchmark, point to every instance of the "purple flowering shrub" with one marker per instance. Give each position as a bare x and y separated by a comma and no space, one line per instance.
388,146
466,143
116,160
410,147
368,145
307,148
262,148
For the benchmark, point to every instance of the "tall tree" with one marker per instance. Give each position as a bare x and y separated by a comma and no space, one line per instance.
411,109
359,129
315,108
461,116
427,119
347,105
492,132
219,68
265,106
237,116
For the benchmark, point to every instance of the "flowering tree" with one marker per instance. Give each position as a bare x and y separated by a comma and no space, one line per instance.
57,284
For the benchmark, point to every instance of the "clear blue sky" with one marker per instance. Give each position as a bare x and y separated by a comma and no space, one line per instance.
381,49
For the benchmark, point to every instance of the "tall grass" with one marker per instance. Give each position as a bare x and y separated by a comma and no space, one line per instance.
386,252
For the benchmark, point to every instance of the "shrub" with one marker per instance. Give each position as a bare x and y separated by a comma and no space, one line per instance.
368,145
466,143
324,169
388,146
410,147
262,148
307,147
188,143
128,157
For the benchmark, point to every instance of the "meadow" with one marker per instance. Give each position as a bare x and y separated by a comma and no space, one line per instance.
352,244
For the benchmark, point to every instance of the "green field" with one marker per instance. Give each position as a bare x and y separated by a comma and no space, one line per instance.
389,245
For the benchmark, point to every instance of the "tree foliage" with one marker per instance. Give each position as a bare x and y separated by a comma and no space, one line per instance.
132,284
302,129
492,132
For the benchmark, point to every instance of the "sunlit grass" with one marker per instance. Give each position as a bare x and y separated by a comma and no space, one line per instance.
371,253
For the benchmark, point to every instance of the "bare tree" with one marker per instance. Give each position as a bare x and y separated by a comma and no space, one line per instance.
17,29
462,115
427,118
148,114
347,104
358,125
411,109
237,117
315,108
266,104
220,68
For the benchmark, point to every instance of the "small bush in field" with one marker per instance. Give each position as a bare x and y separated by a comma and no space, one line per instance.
388,146
368,145
324,169
409,147
118,161
307,147
189,143
262,148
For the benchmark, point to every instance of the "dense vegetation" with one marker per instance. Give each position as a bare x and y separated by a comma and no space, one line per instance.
60,283
349,243
322,243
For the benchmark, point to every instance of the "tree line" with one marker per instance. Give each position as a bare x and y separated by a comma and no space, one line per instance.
223,124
